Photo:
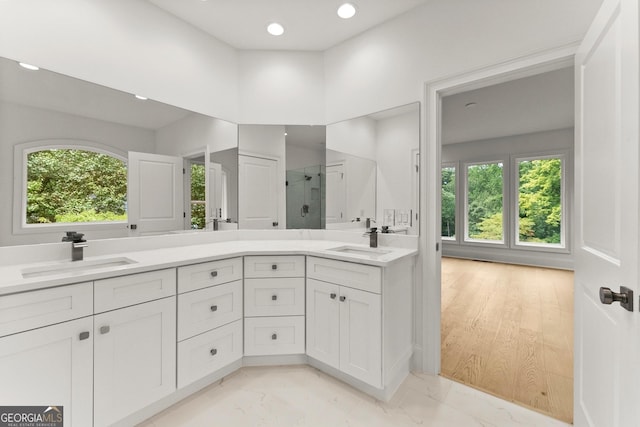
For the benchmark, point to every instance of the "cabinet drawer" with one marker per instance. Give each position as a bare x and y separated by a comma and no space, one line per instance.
206,353
273,335
274,266
274,297
198,276
30,310
365,277
205,309
123,291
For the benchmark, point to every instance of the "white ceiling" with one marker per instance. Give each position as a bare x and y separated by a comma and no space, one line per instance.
52,91
310,25
533,104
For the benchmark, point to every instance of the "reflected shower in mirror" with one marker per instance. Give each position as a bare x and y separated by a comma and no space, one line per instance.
44,111
372,171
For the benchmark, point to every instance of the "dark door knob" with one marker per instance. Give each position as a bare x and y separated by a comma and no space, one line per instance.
624,297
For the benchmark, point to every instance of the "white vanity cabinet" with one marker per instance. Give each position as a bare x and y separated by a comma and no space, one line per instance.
46,358
209,318
134,346
274,305
359,320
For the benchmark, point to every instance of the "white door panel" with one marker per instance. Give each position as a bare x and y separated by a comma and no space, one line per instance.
607,336
154,193
335,194
257,192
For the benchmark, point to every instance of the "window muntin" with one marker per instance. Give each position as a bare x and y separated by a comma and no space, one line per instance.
69,185
448,203
484,202
539,201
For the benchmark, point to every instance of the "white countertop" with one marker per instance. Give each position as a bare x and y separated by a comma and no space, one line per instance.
12,281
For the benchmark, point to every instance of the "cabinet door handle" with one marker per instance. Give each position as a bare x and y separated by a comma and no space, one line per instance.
274,336
213,351
83,336
214,308
274,297
342,298
274,266
104,329
214,273
333,296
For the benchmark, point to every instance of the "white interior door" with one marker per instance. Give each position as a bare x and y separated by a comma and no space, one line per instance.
335,194
215,191
257,192
606,246
154,193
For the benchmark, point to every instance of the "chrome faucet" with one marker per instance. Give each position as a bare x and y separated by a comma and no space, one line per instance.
368,222
373,237
77,244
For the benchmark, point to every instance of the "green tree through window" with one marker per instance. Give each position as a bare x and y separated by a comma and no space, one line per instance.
198,207
484,201
448,203
540,200
70,185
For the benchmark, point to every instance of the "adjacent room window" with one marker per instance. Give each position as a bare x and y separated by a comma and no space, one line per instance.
198,203
448,202
539,201
74,186
484,204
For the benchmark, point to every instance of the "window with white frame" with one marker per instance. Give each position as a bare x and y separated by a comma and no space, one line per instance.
448,202
484,202
73,185
539,201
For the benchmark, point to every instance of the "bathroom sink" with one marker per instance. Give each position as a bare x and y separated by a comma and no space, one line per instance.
362,251
74,267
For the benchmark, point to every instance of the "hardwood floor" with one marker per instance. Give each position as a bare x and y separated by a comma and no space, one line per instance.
508,330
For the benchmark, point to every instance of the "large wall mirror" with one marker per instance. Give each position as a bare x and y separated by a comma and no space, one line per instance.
80,156
335,176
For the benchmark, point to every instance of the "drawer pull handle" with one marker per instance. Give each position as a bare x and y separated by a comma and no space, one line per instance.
274,336
83,336
104,329
214,273
213,351
342,298
333,296
274,297
214,308
274,266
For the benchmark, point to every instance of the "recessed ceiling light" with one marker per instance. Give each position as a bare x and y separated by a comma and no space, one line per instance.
346,11
142,98
275,29
28,66
471,104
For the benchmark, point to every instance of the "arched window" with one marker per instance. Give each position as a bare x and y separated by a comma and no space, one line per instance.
73,185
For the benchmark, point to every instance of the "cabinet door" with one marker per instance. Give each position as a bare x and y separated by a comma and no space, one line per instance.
51,366
135,358
323,322
361,335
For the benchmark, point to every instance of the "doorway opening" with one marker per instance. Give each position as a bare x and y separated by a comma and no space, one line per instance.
493,296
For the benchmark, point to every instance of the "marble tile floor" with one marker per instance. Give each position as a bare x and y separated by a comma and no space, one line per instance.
303,396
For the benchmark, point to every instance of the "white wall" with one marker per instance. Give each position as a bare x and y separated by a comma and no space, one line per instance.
194,132
356,137
505,149
281,87
301,157
388,65
19,124
396,138
128,45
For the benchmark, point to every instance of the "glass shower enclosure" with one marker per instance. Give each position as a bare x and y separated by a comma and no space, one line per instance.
306,197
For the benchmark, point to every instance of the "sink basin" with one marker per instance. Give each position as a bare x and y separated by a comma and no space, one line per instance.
74,267
362,251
